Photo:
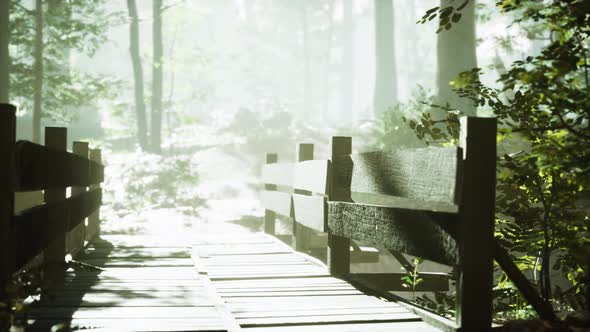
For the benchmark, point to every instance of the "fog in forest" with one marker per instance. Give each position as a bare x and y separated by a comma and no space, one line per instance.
188,99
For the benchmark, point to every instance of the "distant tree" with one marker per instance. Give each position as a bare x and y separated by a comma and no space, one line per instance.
157,74
306,43
455,53
137,74
41,38
385,69
38,71
347,83
4,55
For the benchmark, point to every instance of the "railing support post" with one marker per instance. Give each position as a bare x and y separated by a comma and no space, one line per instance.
77,235
54,256
7,242
338,246
476,231
93,226
270,216
301,234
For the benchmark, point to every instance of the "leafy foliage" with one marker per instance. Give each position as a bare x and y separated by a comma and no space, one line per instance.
542,107
389,130
79,26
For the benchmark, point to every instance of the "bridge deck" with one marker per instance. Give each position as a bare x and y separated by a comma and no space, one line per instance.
221,282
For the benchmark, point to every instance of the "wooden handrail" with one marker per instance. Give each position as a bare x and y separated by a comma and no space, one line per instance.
44,228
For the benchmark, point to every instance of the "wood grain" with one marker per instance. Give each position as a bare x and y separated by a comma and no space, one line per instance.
40,167
428,174
425,234
310,211
277,201
312,175
278,174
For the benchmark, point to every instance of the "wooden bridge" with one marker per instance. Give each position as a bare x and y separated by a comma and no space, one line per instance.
435,203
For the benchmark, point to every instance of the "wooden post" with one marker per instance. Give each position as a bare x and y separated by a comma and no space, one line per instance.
270,216
338,246
301,234
77,236
56,138
93,226
476,230
7,243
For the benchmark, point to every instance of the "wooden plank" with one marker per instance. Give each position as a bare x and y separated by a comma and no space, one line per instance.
358,327
428,174
27,199
310,211
312,175
318,319
135,253
128,299
475,278
278,173
139,262
7,243
277,201
402,203
135,324
308,293
38,227
293,281
82,205
318,312
431,281
42,167
122,312
425,234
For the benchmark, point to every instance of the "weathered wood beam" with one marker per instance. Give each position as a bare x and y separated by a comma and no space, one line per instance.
424,234
278,173
43,167
428,174
278,202
42,226
312,175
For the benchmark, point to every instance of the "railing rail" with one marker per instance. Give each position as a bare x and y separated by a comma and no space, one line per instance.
435,203
57,226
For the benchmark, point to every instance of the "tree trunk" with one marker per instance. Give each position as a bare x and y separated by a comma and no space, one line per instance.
347,61
456,53
328,62
38,65
137,74
157,73
307,97
385,68
4,55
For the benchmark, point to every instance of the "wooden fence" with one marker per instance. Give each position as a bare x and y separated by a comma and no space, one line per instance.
434,203
56,227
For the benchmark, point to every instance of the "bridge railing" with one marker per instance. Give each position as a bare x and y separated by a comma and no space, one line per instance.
434,203
56,227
